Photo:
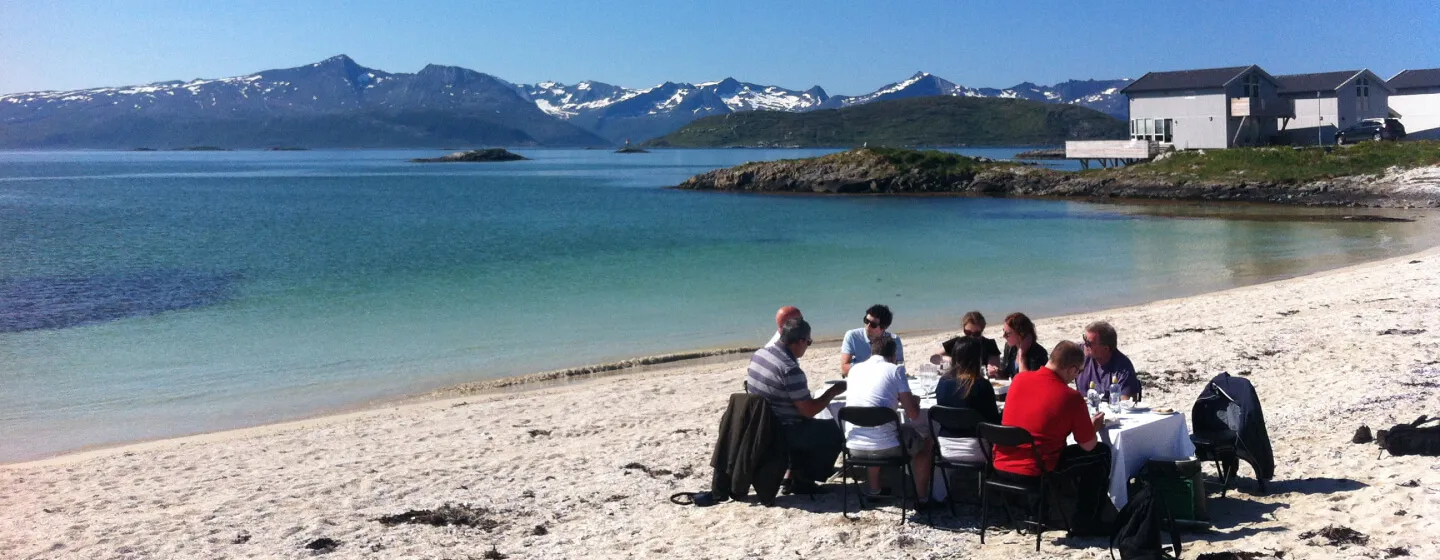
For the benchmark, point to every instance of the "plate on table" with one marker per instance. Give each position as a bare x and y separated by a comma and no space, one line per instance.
833,381
1163,410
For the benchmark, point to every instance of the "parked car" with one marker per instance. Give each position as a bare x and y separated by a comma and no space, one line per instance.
1371,129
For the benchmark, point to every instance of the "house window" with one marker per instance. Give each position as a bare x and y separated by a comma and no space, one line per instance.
1362,94
1251,86
1153,130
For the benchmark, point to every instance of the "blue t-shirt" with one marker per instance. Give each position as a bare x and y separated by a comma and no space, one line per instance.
858,347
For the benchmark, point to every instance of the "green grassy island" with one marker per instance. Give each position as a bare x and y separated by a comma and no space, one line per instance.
920,121
1378,174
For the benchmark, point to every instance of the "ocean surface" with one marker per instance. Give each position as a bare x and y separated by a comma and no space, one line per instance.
155,294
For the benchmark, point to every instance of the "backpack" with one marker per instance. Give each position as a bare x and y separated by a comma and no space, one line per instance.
1412,438
1138,525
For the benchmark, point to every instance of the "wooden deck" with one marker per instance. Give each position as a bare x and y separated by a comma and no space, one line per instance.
1108,152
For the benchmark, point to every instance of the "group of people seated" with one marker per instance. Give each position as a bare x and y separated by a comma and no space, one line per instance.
1044,397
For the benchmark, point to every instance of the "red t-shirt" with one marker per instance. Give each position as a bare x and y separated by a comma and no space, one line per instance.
1050,410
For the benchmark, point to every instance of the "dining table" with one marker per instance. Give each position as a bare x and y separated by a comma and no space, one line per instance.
1134,434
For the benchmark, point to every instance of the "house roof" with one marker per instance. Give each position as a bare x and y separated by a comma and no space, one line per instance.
1207,78
1320,81
1408,79
1323,81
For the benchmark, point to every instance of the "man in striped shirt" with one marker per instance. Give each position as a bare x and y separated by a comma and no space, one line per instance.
775,375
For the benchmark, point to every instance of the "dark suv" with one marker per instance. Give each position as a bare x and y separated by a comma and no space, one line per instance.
1371,129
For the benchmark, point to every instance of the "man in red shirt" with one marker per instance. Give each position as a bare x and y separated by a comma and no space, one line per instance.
1045,403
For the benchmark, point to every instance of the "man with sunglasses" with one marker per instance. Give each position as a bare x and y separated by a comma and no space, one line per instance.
775,375
856,347
1105,364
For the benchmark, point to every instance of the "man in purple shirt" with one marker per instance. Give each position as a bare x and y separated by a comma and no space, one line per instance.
1104,364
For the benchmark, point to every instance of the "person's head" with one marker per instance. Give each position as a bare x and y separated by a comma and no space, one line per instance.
973,324
785,314
883,346
877,319
1099,341
795,335
1018,329
1067,360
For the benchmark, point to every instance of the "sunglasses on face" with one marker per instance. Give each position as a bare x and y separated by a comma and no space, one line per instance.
975,334
1088,343
871,322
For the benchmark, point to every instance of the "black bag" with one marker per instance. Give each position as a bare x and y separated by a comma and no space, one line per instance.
1138,526
1412,438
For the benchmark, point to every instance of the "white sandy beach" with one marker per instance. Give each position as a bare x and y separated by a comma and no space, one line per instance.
554,458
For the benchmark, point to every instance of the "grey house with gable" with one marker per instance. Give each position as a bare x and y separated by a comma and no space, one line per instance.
1416,100
1327,102
1208,108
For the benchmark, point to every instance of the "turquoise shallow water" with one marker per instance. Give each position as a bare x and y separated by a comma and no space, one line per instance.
147,295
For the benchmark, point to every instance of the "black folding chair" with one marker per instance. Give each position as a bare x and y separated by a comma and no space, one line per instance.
955,422
1214,440
872,417
1036,491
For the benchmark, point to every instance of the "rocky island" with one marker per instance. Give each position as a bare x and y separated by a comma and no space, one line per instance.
490,154
1373,174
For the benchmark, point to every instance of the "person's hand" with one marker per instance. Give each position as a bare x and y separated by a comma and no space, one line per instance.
992,371
1098,420
837,388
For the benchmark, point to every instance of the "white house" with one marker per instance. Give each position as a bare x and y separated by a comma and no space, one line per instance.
1327,102
1208,108
1417,102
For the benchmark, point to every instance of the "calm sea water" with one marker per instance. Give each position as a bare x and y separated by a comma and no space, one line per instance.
146,295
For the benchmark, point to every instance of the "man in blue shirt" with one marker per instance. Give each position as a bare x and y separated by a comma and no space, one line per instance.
1104,364
856,346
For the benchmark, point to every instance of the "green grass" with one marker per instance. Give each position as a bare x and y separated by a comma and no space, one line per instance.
1283,164
920,121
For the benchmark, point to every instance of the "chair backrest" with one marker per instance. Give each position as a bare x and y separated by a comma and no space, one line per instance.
1006,436
954,420
1212,411
869,416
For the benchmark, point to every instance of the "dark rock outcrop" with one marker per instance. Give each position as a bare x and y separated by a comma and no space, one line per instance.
871,171
490,154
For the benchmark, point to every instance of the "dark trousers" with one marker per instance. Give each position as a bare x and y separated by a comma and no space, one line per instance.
1079,489
814,446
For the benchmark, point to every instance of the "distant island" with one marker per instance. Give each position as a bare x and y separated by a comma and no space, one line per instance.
200,149
922,121
629,148
286,149
1373,174
490,154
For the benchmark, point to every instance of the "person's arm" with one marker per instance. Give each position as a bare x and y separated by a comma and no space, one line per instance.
847,354
845,364
810,407
982,400
911,404
1085,426
1129,383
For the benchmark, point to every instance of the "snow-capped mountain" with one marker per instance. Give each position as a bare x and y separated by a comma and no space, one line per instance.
337,102
334,102
619,113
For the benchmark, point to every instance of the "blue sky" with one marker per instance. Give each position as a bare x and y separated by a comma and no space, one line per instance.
849,47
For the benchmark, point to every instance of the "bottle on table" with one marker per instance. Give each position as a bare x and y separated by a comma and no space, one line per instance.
1114,392
1092,398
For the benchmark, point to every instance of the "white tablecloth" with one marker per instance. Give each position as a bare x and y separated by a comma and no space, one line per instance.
1138,438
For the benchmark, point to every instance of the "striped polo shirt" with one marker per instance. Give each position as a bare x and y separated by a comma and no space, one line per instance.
775,376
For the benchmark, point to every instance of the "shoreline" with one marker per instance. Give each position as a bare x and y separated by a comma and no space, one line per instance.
579,375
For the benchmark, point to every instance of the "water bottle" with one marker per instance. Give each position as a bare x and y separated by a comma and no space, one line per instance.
1115,392
1092,397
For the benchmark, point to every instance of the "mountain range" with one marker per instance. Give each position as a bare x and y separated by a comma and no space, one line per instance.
338,103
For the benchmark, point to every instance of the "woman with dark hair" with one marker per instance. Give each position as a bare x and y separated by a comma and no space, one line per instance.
964,386
1022,352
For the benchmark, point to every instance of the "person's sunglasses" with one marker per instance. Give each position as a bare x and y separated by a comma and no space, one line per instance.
871,323
975,334
809,341
1087,343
